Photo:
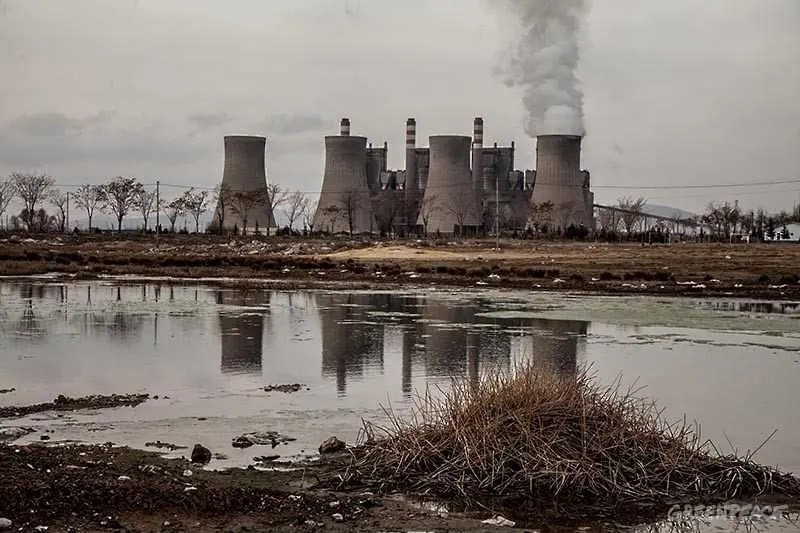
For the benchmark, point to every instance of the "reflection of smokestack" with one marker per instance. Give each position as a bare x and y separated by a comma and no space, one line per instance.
477,153
559,180
344,128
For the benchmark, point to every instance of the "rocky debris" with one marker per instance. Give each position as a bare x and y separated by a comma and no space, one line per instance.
14,433
7,391
272,438
65,403
201,454
164,446
5,523
332,445
266,458
287,388
499,521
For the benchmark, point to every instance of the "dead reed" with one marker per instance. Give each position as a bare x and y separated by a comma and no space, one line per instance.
526,438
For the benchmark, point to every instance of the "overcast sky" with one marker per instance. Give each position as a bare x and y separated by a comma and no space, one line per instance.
679,92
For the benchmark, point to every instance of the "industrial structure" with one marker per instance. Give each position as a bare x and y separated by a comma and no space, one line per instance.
455,185
244,202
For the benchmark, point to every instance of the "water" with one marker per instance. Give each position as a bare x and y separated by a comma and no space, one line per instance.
208,352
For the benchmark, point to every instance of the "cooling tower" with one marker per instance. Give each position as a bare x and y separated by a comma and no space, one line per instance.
449,185
344,203
245,180
559,180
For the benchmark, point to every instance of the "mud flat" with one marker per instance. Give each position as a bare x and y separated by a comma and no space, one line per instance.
65,403
691,269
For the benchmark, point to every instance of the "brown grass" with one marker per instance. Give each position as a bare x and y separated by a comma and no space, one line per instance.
525,439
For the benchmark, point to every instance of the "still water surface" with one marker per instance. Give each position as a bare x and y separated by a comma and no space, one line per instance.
208,352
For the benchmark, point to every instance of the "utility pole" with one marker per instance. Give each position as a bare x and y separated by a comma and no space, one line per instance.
497,210
158,209
66,226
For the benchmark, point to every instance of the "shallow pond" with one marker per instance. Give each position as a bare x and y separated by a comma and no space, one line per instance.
209,352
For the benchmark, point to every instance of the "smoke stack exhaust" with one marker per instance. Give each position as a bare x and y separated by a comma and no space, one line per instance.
344,128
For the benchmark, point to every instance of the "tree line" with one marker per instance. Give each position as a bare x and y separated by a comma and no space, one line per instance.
123,197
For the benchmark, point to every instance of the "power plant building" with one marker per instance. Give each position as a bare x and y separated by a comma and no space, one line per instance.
455,185
245,204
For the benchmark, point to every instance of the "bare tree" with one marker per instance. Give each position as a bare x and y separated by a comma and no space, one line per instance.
89,198
59,200
332,214
7,194
542,216
277,196
350,205
309,211
243,202
32,189
175,209
631,213
387,207
429,204
294,207
463,205
146,204
196,203
223,196
121,195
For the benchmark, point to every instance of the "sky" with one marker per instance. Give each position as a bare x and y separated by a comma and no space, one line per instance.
678,93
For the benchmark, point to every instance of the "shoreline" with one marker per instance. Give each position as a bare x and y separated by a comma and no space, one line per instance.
768,272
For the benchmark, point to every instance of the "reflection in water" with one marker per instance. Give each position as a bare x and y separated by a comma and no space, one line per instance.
781,308
242,333
438,339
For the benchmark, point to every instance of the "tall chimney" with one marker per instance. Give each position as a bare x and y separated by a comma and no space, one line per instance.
477,154
412,184
345,127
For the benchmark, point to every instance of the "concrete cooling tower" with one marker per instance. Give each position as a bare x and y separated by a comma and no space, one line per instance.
245,178
344,203
449,185
559,180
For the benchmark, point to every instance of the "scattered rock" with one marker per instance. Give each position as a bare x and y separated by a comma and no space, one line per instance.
44,437
272,438
14,433
7,391
332,445
65,403
201,454
289,388
123,478
498,521
266,458
164,445
5,523
337,517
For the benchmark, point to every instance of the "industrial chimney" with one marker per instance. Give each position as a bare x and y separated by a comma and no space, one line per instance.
411,191
244,174
477,154
450,185
559,180
344,203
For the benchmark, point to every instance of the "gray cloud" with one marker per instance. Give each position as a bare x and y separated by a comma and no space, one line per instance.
293,124
52,124
204,121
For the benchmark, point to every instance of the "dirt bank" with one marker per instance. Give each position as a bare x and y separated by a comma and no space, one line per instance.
767,271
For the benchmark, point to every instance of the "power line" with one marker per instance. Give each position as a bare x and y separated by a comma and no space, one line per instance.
686,187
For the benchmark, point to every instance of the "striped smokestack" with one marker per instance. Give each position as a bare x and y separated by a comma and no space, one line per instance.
412,183
345,127
477,154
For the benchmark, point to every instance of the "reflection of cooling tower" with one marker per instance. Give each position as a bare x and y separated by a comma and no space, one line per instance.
349,346
345,196
559,180
450,184
242,343
245,180
557,349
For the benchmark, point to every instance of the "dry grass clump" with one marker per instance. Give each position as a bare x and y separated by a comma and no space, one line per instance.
527,438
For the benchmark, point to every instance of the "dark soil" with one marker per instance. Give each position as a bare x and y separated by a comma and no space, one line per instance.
64,403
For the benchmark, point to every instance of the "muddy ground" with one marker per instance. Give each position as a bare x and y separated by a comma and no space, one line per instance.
685,269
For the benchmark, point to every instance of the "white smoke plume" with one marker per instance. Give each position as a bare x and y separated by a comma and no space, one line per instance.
544,63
